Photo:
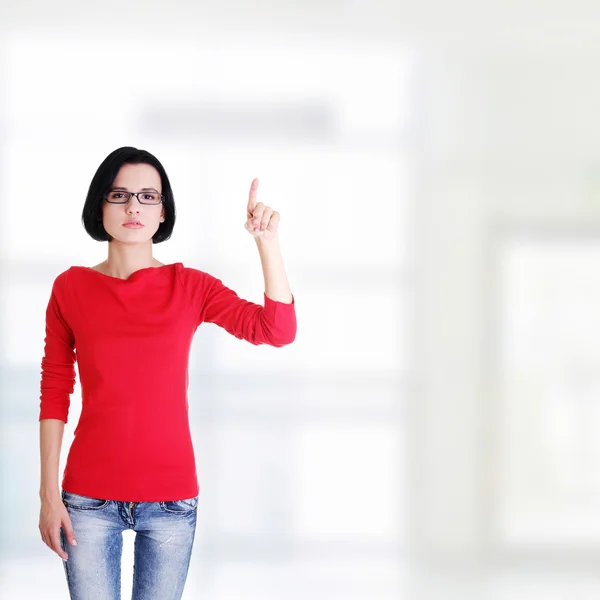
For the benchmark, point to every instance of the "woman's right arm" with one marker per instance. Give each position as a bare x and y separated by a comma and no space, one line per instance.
51,435
53,513
56,386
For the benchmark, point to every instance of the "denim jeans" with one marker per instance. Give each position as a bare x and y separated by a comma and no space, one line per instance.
162,550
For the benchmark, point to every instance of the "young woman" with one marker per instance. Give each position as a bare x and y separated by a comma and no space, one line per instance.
129,322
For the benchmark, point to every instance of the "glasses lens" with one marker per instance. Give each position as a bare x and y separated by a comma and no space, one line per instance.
120,197
144,197
149,198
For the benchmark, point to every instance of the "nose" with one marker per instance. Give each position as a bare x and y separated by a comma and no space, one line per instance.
133,205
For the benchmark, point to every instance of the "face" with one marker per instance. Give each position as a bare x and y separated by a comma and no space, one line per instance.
134,178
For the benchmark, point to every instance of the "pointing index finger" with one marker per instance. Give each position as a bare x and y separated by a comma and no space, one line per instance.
252,196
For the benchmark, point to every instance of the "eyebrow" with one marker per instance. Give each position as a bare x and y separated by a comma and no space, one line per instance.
142,190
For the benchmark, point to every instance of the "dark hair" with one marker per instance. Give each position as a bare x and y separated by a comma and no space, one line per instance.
102,182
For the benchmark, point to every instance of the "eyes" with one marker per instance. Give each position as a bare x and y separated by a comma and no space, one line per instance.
120,195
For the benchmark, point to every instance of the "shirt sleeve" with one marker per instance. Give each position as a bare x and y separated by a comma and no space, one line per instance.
213,302
58,370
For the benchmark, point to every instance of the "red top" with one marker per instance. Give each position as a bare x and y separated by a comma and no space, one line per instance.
131,339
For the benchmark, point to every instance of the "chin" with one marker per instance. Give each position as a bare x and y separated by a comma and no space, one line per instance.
132,235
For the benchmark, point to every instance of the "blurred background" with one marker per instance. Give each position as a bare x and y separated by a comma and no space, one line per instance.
431,433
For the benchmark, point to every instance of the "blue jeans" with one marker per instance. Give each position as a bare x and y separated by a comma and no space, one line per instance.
163,547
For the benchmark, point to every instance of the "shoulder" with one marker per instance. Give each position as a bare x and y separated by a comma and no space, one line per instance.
198,283
193,274
61,280
68,277
59,293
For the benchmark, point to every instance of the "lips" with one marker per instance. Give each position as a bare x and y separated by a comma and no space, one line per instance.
132,223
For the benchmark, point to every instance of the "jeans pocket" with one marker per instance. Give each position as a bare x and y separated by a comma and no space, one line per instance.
180,506
71,500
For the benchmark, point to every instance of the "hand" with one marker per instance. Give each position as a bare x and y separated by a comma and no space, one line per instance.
53,515
261,220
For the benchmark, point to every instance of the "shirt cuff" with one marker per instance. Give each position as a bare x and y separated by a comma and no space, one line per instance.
275,306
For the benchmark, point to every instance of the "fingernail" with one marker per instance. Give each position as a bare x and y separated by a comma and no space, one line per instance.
74,542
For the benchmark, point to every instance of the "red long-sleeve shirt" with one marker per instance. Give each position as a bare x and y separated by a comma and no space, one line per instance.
131,339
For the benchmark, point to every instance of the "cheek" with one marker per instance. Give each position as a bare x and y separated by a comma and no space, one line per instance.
112,220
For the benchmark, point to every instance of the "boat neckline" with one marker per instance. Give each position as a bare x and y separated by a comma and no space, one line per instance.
134,274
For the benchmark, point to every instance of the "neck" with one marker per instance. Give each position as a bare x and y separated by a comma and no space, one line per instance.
123,260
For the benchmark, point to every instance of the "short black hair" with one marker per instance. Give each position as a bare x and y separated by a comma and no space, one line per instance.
102,182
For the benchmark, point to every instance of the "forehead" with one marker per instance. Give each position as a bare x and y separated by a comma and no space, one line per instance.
137,177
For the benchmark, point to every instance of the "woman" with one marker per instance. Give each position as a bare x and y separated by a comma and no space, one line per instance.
129,323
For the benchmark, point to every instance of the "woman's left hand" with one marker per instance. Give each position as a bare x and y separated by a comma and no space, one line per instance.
261,220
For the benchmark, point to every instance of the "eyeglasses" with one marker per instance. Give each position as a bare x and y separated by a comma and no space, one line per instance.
120,197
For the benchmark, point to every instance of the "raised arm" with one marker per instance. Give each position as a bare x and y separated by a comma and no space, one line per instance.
213,302
263,224
273,324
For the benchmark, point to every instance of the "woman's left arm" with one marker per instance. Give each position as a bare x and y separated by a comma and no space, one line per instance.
214,302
